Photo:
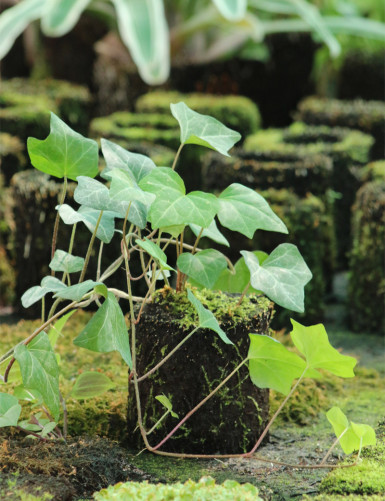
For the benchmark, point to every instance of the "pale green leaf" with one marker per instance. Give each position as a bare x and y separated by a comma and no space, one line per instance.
57,327
63,261
23,393
313,343
77,291
203,130
282,276
236,282
40,371
64,153
91,384
37,292
107,331
233,10
124,188
10,410
204,267
60,16
166,403
92,193
210,232
244,210
154,251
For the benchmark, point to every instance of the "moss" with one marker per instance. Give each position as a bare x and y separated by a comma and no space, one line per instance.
374,171
365,479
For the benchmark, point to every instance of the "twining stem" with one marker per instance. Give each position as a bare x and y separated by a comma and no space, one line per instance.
89,250
156,367
98,271
244,292
333,445
177,156
57,219
197,242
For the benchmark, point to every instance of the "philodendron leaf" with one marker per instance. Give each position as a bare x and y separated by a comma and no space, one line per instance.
155,252
118,158
37,292
271,365
313,343
210,232
282,276
233,10
206,318
91,384
60,16
203,130
228,281
107,331
204,267
56,328
166,403
40,371
244,210
77,291
62,261
64,153
92,193
10,410
352,436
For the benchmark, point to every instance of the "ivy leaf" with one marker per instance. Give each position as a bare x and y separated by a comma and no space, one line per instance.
10,410
63,261
244,210
203,130
203,267
206,318
155,252
271,365
40,371
314,344
92,193
64,153
91,384
237,282
37,292
166,403
210,232
282,276
107,331
77,291
118,158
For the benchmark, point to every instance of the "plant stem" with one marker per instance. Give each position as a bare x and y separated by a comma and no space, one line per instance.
243,295
196,242
65,416
177,156
89,250
158,422
333,445
57,219
42,308
29,432
98,271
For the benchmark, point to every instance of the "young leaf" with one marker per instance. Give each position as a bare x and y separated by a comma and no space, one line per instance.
210,232
60,16
62,261
107,331
314,344
203,267
37,292
40,371
203,130
206,318
77,291
282,276
271,365
56,328
236,282
242,209
64,153
154,251
166,403
118,158
91,384
92,193
10,410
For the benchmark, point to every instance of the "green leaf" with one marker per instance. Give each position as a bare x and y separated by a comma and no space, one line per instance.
271,365
107,331
10,410
63,261
244,210
60,16
57,327
40,371
210,232
118,158
314,344
77,291
91,384
37,292
154,251
203,267
64,153
206,318
282,276
236,282
203,130
166,403
23,393
233,10
144,30
14,20
92,193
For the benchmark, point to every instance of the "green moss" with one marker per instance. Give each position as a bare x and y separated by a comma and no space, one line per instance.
375,171
365,479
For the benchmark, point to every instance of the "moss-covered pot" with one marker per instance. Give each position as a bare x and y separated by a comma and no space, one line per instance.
232,420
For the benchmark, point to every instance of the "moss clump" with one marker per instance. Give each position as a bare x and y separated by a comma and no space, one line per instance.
375,171
12,155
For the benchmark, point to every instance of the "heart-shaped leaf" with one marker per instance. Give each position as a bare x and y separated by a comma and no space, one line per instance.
10,410
107,331
62,261
313,343
77,291
271,365
228,281
64,153
206,318
92,193
40,371
37,292
282,276
242,209
203,130
91,384
210,232
118,158
203,267
155,252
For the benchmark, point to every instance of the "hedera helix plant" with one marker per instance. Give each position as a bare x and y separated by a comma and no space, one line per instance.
153,210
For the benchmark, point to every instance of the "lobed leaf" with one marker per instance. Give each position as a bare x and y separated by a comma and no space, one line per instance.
204,267
77,291
210,232
92,193
236,282
63,261
37,292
